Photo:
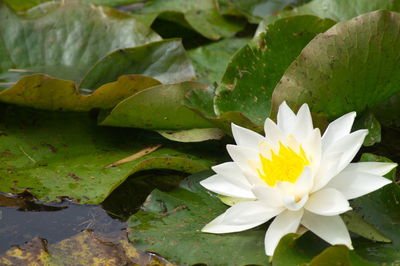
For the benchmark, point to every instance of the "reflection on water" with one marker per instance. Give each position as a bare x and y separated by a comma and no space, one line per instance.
21,220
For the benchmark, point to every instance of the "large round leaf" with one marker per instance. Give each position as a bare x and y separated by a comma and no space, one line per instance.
55,155
351,66
254,71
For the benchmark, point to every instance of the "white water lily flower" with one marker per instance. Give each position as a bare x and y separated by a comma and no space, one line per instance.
296,175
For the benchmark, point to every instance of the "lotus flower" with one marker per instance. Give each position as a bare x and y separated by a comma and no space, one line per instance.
296,176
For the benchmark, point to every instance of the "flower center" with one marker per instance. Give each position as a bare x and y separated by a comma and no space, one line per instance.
285,165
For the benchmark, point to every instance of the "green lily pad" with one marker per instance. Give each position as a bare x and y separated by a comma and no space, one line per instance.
334,77
254,71
169,224
64,39
202,15
337,10
55,155
157,108
210,60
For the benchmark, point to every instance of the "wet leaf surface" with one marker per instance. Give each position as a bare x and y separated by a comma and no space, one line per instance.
55,155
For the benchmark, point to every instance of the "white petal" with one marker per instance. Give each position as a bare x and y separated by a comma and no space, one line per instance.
246,138
270,196
224,186
327,166
354,184
285,223
327,202
272,132
347,148
338,129
294,204
373,168
241,156
286,118
304,183
240,217
312,147
350,144
232,170
330,228
303,126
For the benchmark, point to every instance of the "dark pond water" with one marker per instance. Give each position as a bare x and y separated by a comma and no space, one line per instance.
22,218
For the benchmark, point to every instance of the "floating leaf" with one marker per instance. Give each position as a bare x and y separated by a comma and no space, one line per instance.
57,155
337,10
210,60
201,15
254,71
159,108
169,224
352,66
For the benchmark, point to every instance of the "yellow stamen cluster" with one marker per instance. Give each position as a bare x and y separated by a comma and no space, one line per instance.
286,165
